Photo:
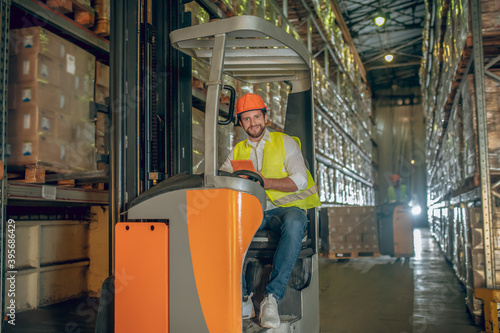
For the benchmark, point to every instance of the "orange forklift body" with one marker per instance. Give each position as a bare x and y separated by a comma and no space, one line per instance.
221,224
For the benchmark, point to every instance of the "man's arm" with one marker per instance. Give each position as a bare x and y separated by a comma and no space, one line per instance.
283,184
294,166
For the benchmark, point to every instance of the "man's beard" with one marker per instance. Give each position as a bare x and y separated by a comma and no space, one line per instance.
259,133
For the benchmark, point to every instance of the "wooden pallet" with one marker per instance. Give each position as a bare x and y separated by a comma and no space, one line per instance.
38,174
32,173
354,254
78,11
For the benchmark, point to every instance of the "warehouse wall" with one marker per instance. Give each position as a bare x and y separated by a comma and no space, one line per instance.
400,135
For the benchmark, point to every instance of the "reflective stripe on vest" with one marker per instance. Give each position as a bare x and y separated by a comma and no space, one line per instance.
272,166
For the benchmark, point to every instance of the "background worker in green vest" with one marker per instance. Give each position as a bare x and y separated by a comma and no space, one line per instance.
290,190
396,192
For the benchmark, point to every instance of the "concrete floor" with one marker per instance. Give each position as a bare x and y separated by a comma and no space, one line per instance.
364,295
389,295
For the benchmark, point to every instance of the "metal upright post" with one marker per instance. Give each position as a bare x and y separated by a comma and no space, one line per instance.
180,95
327,63
482,129
212,108
4,62
124,170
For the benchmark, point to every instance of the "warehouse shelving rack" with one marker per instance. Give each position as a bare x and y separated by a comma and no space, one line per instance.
485,194
41,194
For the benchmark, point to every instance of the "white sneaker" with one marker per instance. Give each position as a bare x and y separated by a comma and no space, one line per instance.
247,309
269,315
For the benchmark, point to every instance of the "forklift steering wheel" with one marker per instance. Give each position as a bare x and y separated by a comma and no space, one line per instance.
253,176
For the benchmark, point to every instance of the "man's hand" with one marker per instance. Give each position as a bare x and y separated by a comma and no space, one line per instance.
283,184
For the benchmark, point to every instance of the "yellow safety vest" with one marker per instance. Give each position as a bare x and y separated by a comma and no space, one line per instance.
391,193
272,166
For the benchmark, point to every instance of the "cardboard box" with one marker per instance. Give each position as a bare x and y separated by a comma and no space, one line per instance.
101,128
33,67
77,72
102,95
100,144
101,133
369,238
353,238
44,96
102,84
24,150
66,127
80,106
32,121
37,40
343,229
82,156
102,75
337,239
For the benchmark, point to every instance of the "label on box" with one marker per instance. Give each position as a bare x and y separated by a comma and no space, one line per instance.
70,64
28,41
7,148
26,95
63,51
26,123
63,152
27,148
45,123
49,192
26,67
86,85
44,70
61,101
77,82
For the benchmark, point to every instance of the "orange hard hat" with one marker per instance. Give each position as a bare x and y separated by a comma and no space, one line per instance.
395,177
250,102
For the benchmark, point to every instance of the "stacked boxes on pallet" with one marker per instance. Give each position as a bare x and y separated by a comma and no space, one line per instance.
491,92
51,85
352,232
452,137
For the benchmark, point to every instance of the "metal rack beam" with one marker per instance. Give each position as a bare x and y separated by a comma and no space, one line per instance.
482,130
52,193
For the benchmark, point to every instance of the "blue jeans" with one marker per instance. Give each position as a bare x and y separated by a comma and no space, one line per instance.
290,223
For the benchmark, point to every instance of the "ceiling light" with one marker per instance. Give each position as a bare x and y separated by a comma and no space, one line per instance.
389,57
379,20
412,161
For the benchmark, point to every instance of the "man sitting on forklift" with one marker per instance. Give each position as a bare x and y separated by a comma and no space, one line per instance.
290,191
396,192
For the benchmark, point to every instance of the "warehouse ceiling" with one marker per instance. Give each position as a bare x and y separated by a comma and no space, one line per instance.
401,35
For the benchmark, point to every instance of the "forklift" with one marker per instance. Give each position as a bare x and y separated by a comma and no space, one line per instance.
180,255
